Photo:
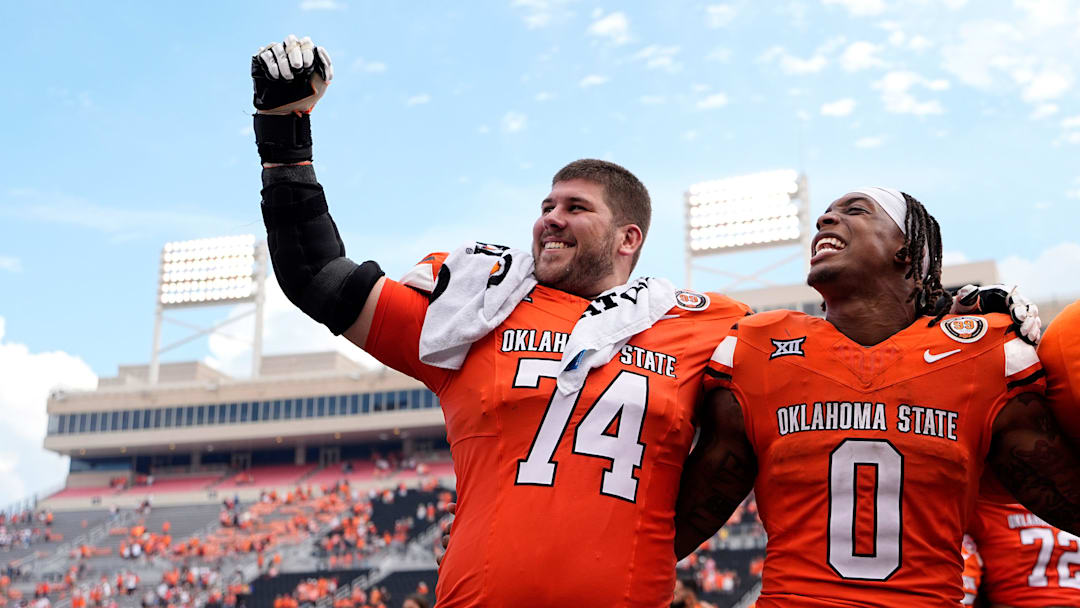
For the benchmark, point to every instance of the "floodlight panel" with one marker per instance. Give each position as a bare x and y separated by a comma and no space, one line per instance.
763,209
208,271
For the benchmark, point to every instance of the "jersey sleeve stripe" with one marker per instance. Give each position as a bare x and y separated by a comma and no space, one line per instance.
717,374
725,352
1030,378
1019,355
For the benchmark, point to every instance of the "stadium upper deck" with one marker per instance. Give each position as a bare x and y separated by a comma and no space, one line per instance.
305,410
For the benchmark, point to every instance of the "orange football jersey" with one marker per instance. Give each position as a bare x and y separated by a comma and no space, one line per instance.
972,575
1029,563
1060,355
869,457
562,500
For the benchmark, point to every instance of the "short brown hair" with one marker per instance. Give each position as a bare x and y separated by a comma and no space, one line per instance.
623,192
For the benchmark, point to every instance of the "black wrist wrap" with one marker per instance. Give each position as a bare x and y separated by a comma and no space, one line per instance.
283,138
309,256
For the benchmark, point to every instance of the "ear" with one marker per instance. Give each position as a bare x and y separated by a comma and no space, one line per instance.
631,239
901,257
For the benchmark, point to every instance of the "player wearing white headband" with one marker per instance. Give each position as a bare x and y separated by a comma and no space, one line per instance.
865,434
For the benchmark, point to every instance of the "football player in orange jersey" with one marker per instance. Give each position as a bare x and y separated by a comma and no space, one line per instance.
1028,562
564,498
1060,355
864,434
972,575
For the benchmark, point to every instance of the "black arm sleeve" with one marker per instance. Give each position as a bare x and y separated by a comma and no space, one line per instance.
307,252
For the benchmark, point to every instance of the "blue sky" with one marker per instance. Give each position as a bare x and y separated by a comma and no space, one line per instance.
128,125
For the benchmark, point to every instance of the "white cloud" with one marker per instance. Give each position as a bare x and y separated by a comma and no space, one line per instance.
10,263
791,64
869,142
840,107
896,94
417,100
615,28
719,15
543,96
1044,12
593,80
690,135
656,57
321,5
541,13
719,54
860,8
142,223
367,65
1044,110
1072,122
25,467
919,43
1050,83
950,258
861,55
716,100
285,330
512,122
1032,56
652,100
1041,278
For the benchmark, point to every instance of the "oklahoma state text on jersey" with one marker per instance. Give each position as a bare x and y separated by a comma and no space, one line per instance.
562,501
869,457
1029,563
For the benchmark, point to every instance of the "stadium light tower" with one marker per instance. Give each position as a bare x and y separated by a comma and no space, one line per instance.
210,272
769,209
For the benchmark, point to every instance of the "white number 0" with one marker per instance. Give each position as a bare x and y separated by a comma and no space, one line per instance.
884,558
624,398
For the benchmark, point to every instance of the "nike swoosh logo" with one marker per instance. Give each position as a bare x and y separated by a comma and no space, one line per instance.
929,358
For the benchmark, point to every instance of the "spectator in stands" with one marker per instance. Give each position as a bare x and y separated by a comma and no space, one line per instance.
415,601
686,592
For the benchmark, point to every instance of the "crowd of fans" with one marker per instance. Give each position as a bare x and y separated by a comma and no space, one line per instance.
255,531
353,534
699,572
26,529
310,591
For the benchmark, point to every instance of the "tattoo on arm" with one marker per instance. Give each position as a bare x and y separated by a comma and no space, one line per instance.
718,474
1035,463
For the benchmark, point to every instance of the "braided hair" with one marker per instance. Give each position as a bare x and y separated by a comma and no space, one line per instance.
924,234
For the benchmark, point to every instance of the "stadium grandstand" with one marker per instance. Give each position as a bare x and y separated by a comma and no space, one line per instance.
317,482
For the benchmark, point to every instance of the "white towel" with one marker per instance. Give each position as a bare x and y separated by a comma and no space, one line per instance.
478,287
609,322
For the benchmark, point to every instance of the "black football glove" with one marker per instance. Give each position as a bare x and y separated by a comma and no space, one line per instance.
290,76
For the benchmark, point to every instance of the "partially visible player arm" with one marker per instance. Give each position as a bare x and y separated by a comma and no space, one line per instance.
1033,460
719,473
305,247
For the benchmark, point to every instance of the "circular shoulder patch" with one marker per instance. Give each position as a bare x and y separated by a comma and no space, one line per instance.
964,329
691,300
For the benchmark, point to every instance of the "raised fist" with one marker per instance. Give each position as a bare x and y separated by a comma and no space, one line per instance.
290,76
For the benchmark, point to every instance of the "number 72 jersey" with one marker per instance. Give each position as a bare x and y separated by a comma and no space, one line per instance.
563,500
869,458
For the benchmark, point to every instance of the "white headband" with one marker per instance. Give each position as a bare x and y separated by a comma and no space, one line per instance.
891,202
